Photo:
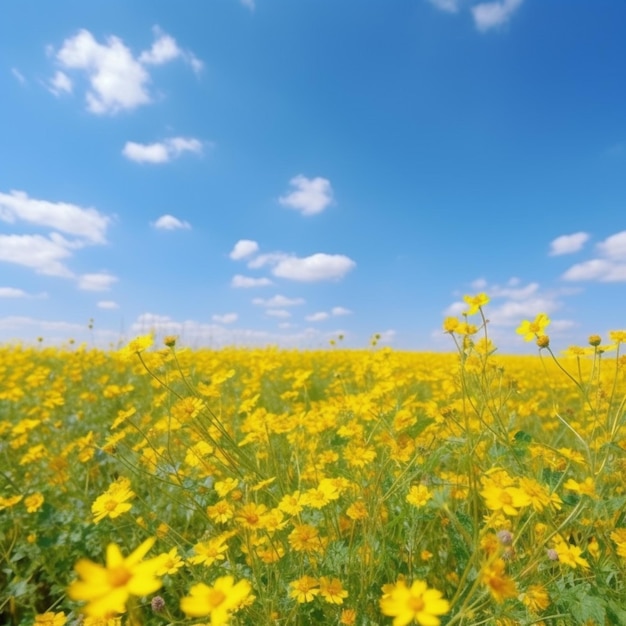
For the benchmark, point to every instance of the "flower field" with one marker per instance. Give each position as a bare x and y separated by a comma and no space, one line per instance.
161,485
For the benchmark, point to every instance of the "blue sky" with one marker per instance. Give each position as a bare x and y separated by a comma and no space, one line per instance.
259,172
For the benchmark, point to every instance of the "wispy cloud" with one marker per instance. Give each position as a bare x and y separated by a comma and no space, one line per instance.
118,80
488,15
245,282
566,244
278,301
60,83
169,222
608,267
310,195
108,304
317,267
243,248
161,151
101,281
18,75
226,318
449,6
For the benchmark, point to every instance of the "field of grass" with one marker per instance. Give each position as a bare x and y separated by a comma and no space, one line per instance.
161,485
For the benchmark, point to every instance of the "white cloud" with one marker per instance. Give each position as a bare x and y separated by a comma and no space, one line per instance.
163,50
339,310
12,292
489,15
610,268
270,258
60,83
311,195
282,313
108,304
227,318
566,244
42,254
313,268
614,247
100,281
246,282
169,222
67,218
18,75
450,6
250,4
317,317
278,301
118,80
161,152
243,248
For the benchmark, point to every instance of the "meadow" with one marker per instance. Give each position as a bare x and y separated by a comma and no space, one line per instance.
155,484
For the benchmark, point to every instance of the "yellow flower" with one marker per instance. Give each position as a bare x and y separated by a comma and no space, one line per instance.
568,554
113,503
304,589
106,589
418,495
619,537
135,346
450,324
218,601
332,590
170,563
499,584
33,502
476,302
533,329
536,598
50,619
416,603
505,499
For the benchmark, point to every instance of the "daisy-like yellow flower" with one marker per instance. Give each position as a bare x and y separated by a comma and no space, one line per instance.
619,537
496,580
171,562
113,502
107,588
304,589
476,302
332,590
50,618
419,495
536,598
33,502
135,346
569,555
533,329
218,601
416,603
506,499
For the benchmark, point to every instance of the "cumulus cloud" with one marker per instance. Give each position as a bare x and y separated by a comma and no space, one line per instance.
278,301
161,152
320,316
101,281
244,248
310,195
282,313
117,79
227,318
42,254
449,6
60,83
566,244
488,15
339,310
108,304
608,268
86,223
169,222
316,267
12,292
245,282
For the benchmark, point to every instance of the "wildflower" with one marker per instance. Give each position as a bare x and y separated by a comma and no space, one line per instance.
220,512
224,487
106,589
171,563
50,619
569,554
318,497
207,552
505,499
113,502
7,503
595,340
135,346
305,538
33,502
536,598
535,328
416,603
291,503
499,584
586,488
347,617
218,601
450,324
357,510
332,590
102,621
418,495
617,336
476,302
543,341
251,516
619,537
304,589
